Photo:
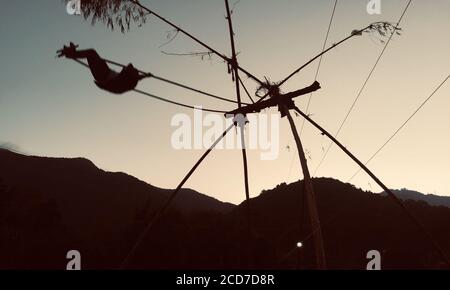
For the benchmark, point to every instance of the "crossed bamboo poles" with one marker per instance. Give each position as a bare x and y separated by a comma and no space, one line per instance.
240,120
320,253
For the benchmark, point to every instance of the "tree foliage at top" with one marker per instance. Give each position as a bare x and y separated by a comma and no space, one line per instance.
113,13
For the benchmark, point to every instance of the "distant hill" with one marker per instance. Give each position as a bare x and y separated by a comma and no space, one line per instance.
431,199
82,178
353,222
96,206
51,205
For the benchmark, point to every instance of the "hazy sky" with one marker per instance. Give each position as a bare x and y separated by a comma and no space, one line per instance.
51,107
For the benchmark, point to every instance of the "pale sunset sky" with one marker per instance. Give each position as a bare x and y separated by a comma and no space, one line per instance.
51,107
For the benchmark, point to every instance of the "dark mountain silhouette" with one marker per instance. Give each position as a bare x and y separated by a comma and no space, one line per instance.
353,222
97,206
431,199
49,206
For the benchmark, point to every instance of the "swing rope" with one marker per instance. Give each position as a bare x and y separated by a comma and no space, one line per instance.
157,97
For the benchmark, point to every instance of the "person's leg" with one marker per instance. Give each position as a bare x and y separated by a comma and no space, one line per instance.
99,67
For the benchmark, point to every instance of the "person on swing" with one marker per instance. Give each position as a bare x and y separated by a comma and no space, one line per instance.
105,78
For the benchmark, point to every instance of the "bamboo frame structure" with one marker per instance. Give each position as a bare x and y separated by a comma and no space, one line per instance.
309,190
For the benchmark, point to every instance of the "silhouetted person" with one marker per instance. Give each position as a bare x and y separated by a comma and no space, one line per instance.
105,78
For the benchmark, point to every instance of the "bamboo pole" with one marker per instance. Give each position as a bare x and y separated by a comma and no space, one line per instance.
166,205
250,75
310,197
240,118
419,225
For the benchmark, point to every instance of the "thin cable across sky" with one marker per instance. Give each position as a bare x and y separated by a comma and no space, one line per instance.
401,126
363,86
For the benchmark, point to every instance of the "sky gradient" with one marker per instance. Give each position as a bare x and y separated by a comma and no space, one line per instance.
51,107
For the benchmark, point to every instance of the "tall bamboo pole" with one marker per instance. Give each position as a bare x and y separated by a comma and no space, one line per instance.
419,225
310,197
241,122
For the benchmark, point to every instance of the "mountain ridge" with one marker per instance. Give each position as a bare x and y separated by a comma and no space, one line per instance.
85,164
50,205
431,199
